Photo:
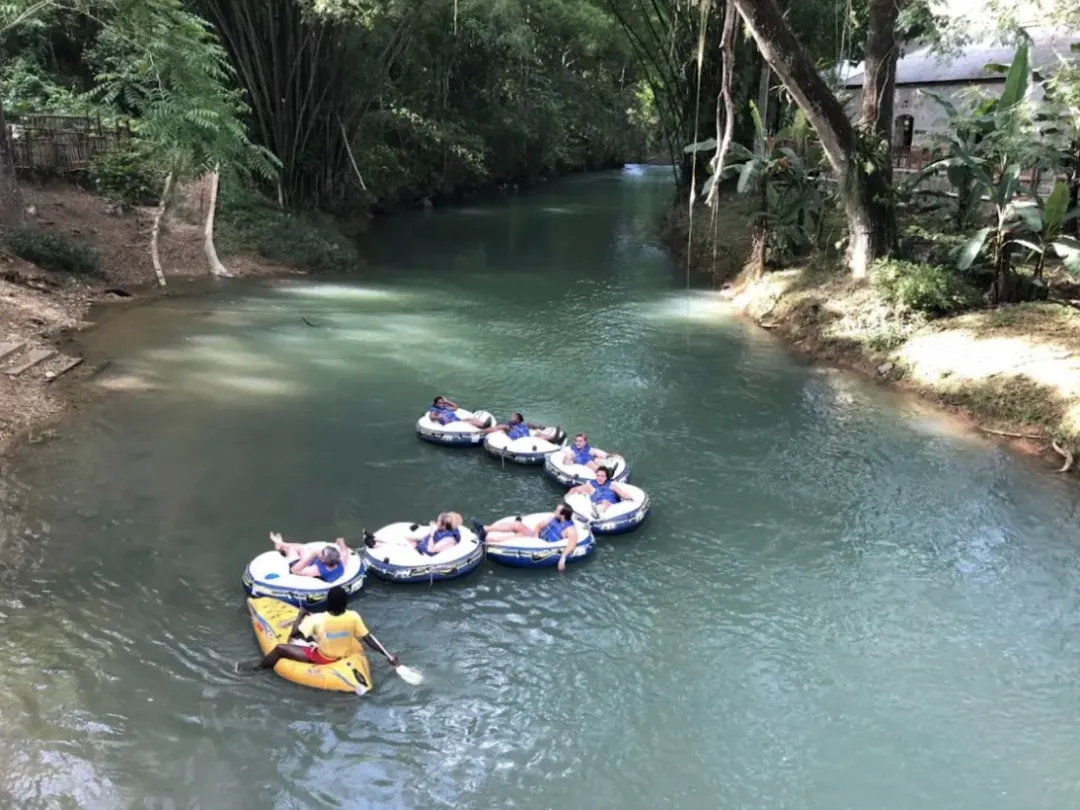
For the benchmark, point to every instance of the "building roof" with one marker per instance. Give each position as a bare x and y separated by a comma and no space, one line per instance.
925,67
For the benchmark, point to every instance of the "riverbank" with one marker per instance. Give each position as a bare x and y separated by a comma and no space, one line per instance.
43,311
1012,371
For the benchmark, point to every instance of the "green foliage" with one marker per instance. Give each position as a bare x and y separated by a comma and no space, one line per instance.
52,251
26,87
793,201
128,174
250,223
929,288
1045,221
995,139
165,64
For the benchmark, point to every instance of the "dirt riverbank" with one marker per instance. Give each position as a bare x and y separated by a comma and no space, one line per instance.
1011,371
42,311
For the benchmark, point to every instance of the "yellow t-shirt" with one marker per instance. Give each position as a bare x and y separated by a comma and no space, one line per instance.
335,635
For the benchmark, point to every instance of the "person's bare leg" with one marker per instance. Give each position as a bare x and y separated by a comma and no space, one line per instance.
511,525
286,548
290,652
503,536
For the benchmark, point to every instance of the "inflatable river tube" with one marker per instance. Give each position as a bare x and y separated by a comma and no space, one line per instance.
570,474
532,449
532,552
272,619
268,575
394,557
455,434
620,517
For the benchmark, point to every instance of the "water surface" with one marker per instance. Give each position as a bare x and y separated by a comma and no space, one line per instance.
838,602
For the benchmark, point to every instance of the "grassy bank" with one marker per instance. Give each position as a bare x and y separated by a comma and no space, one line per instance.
1014,369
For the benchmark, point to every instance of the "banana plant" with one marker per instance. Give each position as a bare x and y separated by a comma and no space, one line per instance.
1045,221
791,201
965,132
992,141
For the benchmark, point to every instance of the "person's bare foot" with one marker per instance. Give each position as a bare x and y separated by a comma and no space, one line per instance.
278,542
562,564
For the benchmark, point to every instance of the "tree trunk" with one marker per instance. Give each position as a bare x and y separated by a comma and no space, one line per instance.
759,233
865,195
764,79
11,207
876,122
216,267
155,232
1001,290
1074,183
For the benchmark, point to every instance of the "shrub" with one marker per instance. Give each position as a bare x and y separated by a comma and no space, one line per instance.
929,288
252,223
126,175
51,251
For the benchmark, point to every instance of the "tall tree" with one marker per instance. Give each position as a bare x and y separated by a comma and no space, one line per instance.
859,155
161,62
11,210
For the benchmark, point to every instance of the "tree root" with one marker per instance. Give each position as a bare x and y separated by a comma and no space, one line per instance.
1065,454
1011,435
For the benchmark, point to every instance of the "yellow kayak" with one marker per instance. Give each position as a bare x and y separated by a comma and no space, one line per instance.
272,619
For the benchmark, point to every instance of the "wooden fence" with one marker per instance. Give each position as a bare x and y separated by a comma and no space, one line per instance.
61,144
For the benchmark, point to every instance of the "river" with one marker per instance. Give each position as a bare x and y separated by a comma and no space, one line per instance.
839,601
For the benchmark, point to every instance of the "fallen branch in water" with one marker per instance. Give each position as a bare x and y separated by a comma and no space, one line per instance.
309,323
991,431
1065,454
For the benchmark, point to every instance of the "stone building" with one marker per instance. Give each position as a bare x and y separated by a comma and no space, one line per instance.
919,119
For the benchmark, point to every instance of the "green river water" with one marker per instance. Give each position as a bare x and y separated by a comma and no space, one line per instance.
839,601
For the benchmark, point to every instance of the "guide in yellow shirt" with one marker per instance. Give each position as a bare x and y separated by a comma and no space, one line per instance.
336,634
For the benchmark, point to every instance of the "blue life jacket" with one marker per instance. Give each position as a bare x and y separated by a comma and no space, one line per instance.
552,533
518,431
443,414
328,574
424,546
582,456
603,493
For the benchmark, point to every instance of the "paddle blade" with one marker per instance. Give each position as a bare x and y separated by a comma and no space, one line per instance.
409,675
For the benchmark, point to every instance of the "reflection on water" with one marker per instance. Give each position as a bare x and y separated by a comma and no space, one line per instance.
839,601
